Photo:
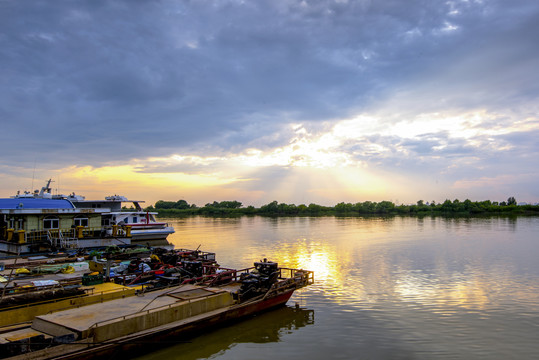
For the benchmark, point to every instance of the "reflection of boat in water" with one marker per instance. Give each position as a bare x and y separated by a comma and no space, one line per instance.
40,221
268,327
134,322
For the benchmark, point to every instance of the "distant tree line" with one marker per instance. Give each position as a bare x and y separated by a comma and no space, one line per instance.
274,208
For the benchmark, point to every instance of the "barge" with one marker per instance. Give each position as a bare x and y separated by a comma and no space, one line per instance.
137,322
43,287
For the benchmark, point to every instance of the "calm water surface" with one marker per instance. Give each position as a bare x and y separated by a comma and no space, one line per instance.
386,288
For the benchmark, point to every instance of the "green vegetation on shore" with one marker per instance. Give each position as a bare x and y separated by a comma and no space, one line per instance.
448,207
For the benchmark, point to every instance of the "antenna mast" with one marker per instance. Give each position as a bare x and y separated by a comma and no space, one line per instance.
33,175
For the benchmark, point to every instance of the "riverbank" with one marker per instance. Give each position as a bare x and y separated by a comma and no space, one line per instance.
447,208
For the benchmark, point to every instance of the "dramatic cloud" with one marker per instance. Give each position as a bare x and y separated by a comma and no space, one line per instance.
254,93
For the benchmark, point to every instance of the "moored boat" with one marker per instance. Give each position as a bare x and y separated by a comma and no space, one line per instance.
35,225
41,221
34,287
143,224
131,323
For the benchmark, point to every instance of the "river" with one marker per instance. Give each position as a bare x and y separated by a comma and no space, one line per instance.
385,288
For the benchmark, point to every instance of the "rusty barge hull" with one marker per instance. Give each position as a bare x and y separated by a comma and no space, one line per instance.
153,319
154,338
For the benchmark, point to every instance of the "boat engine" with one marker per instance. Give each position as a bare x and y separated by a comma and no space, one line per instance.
259,280
194,268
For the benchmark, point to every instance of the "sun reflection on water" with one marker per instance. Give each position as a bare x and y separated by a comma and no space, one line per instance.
363,263
444,288
314,258
467,292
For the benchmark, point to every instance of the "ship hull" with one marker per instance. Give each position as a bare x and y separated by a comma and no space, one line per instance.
153,339
151,234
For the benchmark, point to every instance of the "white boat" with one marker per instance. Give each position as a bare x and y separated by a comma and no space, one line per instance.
143,224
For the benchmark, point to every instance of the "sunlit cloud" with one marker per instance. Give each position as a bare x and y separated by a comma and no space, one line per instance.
346,160
493,182
293,101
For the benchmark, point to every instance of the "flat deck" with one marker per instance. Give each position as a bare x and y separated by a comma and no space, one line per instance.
20,335
81,319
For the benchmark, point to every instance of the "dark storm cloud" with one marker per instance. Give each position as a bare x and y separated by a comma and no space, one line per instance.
94,81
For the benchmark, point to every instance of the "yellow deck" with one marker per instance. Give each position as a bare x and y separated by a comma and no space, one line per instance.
97,294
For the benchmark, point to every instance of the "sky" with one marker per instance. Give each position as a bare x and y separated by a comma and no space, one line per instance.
312,101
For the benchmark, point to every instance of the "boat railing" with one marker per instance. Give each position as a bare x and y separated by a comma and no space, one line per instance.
57,236
62,239
299,276
199,254
220,275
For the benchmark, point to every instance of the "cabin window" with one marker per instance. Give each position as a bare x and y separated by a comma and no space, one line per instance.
51,222
135,219
81,221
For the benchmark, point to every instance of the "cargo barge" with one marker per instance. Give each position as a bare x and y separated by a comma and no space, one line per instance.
43,288
138,322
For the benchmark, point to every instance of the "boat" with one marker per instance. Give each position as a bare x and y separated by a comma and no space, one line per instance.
122,326
144,225
122,212
37,225
49,284
33,222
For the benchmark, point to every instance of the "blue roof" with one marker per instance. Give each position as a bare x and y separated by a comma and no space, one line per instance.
32,204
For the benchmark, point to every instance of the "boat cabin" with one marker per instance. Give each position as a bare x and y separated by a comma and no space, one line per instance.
34,222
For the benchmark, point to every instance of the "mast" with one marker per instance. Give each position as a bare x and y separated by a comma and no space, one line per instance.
46,188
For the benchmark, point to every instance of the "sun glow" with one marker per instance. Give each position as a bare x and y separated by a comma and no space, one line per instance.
320,163
304,150
128,180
